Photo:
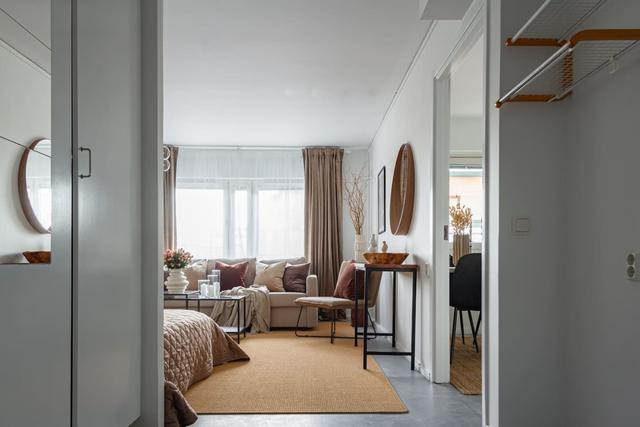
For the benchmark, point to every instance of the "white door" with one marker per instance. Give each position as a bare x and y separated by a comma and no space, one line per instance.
107,266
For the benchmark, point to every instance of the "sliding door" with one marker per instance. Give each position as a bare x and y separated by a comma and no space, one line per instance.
108,222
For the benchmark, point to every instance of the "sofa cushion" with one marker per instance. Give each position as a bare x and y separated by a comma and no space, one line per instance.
249,276
292,261
346,285
270,275
231,275
285,299
295,277
196,271
325,302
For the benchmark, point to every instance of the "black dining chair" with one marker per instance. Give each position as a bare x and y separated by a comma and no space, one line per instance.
465,294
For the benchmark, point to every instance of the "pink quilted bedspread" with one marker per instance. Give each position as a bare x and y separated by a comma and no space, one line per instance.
193,345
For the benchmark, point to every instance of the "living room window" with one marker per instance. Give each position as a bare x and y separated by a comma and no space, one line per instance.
240,203
200,220
280,219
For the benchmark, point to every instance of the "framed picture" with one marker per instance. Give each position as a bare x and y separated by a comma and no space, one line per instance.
382,204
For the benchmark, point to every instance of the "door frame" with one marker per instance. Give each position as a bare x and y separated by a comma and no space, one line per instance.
152,239
440,359
472,28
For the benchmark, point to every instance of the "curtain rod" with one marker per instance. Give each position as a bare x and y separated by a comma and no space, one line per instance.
272,148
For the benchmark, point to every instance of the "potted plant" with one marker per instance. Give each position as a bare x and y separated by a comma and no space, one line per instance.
176,261
461,224
355,197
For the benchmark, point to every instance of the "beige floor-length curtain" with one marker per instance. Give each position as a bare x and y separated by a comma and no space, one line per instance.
323,214
170,197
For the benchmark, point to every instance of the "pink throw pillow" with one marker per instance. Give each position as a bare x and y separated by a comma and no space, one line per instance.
231,275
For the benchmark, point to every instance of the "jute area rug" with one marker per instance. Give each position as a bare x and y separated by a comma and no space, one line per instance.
287,374
466,369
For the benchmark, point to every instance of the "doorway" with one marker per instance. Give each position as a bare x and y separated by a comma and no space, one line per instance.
466,209
459,212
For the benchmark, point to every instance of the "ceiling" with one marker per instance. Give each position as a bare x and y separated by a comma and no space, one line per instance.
467,82
284,72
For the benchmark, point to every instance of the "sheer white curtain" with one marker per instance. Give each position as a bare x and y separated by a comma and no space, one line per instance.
240,203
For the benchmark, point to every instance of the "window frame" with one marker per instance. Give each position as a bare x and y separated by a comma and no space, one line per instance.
230,187
475,172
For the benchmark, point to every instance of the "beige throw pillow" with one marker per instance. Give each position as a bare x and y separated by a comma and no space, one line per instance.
270,275
196,271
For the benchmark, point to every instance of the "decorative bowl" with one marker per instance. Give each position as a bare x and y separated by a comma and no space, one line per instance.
38,257
389,258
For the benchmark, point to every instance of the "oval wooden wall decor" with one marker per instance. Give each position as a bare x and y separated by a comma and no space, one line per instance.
402,192
25,200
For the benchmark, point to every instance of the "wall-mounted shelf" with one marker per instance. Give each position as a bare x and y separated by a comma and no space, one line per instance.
577,57
553,22
583,55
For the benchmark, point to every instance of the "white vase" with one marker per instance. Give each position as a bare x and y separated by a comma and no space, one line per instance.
373,244
176,282
358,248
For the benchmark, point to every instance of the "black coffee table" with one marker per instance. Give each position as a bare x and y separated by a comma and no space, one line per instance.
189,296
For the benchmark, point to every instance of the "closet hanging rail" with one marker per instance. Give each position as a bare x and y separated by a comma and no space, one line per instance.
580,57
553,22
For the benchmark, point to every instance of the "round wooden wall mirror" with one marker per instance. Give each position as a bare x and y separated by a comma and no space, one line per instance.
402,192
34,185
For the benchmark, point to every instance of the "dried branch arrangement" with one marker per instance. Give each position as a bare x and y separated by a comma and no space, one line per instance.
356,197
460,218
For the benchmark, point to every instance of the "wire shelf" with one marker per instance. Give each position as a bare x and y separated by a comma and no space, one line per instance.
582,56
553,22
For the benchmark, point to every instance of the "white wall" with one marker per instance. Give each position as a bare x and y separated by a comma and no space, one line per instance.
601,312
466,135
25,115
354,160
410,119
567,314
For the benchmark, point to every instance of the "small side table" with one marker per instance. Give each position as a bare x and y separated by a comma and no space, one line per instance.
240,300
182,296
395,269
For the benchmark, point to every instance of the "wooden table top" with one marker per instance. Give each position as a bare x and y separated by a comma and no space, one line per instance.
387,267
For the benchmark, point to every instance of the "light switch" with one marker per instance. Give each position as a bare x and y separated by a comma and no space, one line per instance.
520,225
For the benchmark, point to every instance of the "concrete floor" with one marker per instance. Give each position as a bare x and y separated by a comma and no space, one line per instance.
429,405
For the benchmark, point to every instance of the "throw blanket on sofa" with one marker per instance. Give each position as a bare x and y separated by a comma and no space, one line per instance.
258,309
193,345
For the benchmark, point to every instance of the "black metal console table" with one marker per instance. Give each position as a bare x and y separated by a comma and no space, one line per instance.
394,269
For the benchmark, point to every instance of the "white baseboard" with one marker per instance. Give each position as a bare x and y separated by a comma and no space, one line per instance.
419,365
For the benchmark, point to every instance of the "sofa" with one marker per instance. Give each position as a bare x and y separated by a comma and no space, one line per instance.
283,311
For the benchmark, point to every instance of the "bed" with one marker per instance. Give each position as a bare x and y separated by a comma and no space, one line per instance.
193,345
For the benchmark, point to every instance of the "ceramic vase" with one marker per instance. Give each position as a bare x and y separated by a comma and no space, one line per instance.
358,248
461,246
373,244
177,281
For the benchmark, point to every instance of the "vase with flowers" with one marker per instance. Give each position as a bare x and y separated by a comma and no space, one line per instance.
461,223
176,261
355,197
